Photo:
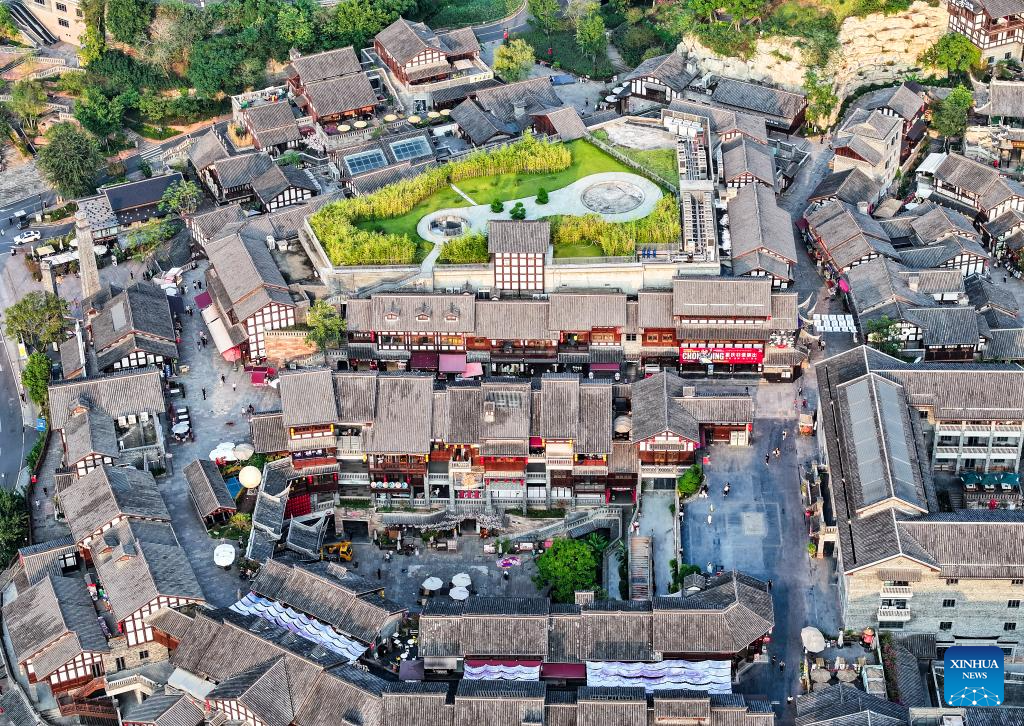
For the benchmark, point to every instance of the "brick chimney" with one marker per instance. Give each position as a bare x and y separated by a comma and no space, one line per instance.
87,257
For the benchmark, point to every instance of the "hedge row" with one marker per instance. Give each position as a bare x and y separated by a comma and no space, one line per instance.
617,239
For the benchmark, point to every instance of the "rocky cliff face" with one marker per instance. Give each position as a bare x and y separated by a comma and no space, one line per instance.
874,49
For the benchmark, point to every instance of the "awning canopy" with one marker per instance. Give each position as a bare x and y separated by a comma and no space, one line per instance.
203,300
473,369
452,362
219,334
611,367
423,359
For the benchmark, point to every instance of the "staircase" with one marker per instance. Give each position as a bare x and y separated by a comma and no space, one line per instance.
640,585
15,62
576,524
30,26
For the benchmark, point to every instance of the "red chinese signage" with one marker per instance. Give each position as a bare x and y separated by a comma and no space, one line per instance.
751,356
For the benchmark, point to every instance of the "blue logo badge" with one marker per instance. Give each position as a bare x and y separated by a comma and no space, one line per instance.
973,676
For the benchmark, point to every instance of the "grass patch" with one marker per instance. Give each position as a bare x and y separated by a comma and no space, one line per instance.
661,162
587,159
581,250
458,13
566,53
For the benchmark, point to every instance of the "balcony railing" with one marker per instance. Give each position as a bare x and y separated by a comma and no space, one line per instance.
349,444
559,462
897,591
900,615
590,469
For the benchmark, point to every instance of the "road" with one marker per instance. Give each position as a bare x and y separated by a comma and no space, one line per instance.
496,31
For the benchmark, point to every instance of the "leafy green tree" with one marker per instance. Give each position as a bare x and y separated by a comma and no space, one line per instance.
518,211
35,377
296,24
545,15
954,52
70,160
8,30
28,102
590,36
884,334
326,326
182,198
821,98
689,482
355,22
37,319
567,566
13,524
704,9
743,10
91,46
513,60
950,116
597,542
241,522
289,158
128,20
101,115
576,10
215,64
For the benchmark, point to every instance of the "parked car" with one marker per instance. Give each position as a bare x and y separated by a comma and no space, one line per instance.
25,237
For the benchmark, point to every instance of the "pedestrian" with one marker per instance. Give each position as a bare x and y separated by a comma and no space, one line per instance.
777,452
775,659
800,391
767,459
45,492
789,700
3,232
204,394
769,585
378,573
746,390
784,433
234,386
131,274
199,344
805,404
222,379
782,665
1004,279
189,308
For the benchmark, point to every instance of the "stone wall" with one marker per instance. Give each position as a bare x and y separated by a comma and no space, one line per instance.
284,346
875,49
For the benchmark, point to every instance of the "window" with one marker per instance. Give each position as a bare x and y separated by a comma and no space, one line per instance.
63,23
953,581
1013,604
97,670
890,625
366,161
949,603
946,625
1017,582
62,7
1009,626
119,663
410,148
143,655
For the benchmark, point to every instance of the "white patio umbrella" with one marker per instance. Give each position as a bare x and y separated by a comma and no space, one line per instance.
432,583
250,477
223,555
243,452
812,639
462,580
181,427
459,593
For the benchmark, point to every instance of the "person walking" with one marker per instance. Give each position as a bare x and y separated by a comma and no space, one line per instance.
782,665
769,585
784,433
204,394
223,380
767,459
378,573
234,386
775,659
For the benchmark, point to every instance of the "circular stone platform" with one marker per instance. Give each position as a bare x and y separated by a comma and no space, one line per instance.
612,197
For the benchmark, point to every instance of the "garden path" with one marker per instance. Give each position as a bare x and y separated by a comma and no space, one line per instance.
462,194
634,194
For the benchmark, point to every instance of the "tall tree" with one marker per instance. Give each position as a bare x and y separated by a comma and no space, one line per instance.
94,40
566,566
37,319
128,20
545,15
884,334
13,524
821,98
8,29
70,161
590,37
325,325
99,114
954,52
950,117
28,102
513,60
35,377
577,9
296,24
182,198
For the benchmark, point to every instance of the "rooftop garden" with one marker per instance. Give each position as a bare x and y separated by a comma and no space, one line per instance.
380,228
661,162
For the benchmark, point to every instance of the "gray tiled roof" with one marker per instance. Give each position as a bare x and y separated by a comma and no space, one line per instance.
766,226
404,40
847,235
119,394
654,409
268,432
56,615
583,311
741,156
346,695
1002,98
340,95
139,561
268,117
278,179
108,492
329,64
518,236
427,313
670,69
716,297
513,320
306,397
250,277
479,125
901,100
142,314
89,432
207,487
723,121
535,95
851,186
164,709
981,179
946,325
207,149
840,700
240,170
771,102
499,702
941,222
263,690
566,122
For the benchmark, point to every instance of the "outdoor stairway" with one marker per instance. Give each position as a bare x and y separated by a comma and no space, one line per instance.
15,62
30,25
576,524
640,585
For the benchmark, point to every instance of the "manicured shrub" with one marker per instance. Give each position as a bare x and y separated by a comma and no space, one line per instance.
542,196
497,206
518,211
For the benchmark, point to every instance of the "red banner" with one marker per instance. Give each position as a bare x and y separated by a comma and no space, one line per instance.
751,356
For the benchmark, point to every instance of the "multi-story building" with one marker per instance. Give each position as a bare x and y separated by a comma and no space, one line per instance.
63,19
903,564
907,102
133,329
660,80
870,141
120,207
519,249
764,244
969,183
997,29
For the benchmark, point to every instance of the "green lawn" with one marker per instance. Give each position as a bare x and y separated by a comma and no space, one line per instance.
660,161
591,250
587,159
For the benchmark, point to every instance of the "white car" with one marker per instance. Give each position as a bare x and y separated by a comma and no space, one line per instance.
25,237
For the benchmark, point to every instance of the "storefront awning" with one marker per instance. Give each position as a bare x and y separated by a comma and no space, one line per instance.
259,378
219,334
473,370
604,367
563,670
424,359
452,362
203,300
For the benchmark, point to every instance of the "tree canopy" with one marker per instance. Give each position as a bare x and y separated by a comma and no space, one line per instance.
37,319
954,52
35,377
545,14
513,60
325,325
884,334
182,198
567,566
70,160
950,116
28,102
7,27
128,20
590,35
13,524
821,98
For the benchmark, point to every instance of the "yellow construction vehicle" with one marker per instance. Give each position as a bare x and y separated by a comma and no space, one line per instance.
340,551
